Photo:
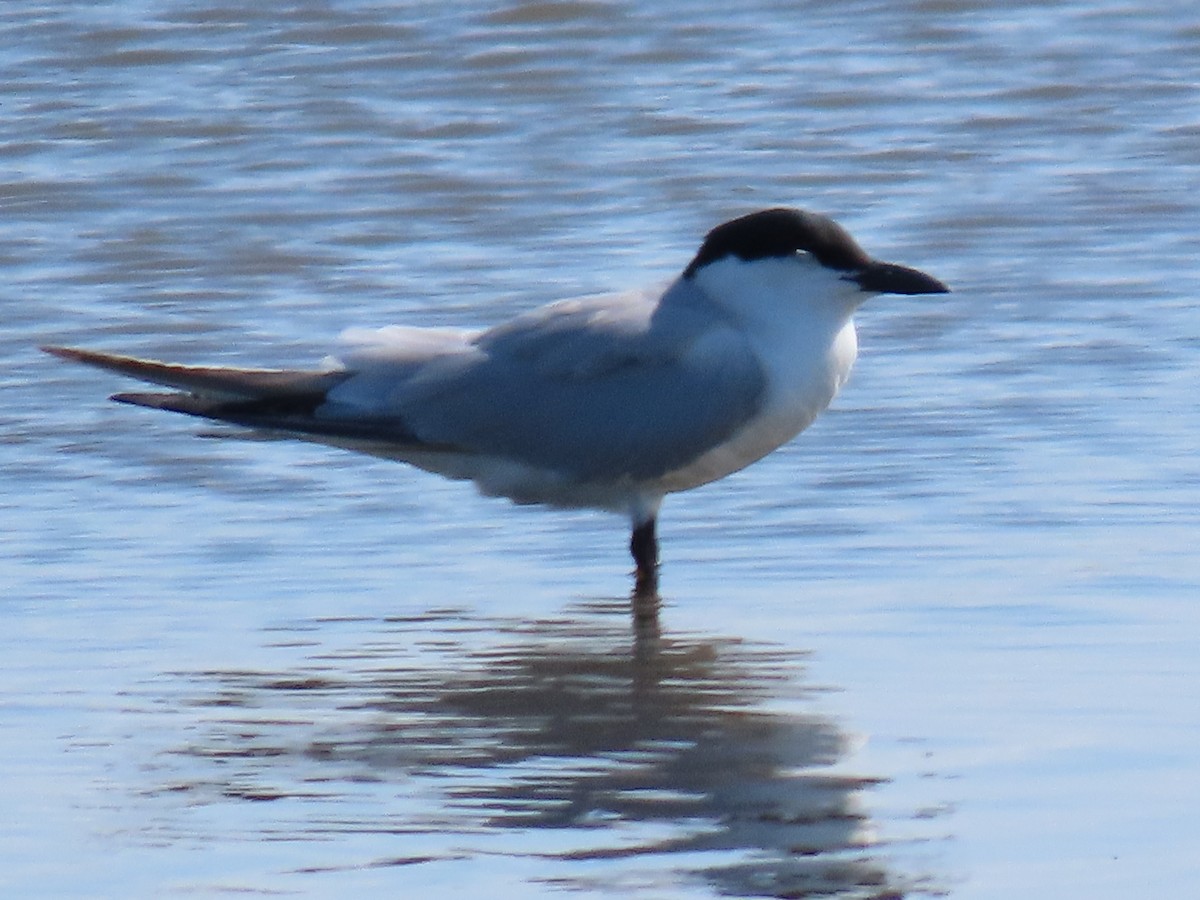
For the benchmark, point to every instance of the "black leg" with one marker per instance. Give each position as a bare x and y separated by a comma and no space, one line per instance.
644,547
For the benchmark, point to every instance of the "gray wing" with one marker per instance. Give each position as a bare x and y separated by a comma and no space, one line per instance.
599,389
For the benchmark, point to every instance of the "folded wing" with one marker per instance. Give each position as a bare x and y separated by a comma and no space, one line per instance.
598,389
606,389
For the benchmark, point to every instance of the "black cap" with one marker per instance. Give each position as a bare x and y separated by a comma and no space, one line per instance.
783,232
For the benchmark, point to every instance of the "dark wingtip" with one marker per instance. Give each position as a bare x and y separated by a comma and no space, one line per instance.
61,352
170,402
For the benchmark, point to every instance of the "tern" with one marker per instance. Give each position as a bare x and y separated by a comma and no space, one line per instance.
607,402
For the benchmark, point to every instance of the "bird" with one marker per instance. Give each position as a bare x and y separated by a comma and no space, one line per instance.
609,402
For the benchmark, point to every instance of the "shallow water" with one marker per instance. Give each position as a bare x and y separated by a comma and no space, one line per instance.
942,644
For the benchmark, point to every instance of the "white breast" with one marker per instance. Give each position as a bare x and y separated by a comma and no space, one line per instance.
792,403
797,317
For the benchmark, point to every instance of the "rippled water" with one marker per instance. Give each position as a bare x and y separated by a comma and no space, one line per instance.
941,644
561,752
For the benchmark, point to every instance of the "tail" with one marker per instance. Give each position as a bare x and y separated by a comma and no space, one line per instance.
276,399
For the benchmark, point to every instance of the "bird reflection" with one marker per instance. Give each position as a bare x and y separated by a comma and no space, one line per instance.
629,745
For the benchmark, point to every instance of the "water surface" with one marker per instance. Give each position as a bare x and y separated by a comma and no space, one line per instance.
941,644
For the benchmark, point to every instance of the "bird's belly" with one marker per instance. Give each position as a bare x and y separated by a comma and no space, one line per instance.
752,443
522,483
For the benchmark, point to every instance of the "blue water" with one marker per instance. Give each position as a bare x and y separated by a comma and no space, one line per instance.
942,644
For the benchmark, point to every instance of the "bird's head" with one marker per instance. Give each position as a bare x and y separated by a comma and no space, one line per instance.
789,251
